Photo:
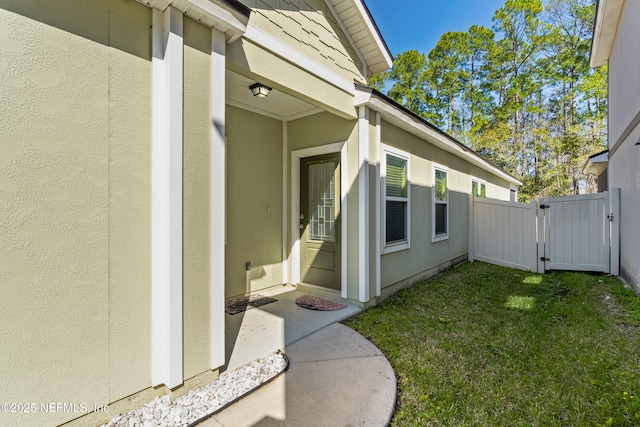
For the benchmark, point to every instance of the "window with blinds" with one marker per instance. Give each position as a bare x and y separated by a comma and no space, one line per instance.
396,198
440,203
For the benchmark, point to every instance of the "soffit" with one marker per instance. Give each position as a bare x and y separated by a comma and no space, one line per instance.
604,31
365,34
597,163
278,104
227,16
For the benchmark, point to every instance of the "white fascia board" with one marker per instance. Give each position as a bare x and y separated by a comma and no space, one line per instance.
595,56
422,131
606,26
233,24
372,29
336,16
267,41
597,164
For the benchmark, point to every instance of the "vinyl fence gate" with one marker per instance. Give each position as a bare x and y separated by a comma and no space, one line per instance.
578,233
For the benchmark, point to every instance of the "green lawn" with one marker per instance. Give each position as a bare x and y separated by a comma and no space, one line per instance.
491,346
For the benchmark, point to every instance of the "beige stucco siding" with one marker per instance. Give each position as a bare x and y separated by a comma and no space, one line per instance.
254,201
129,199
424,254
74,84
196,199
251,60
497,188
309,27
322,129
319,129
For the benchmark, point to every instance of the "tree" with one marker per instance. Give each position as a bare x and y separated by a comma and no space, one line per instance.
528,101
407,76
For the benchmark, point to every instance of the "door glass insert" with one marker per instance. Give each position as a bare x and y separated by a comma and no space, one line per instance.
322,211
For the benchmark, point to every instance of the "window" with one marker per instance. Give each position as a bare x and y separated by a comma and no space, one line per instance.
440,203
395,186
514,193
478,188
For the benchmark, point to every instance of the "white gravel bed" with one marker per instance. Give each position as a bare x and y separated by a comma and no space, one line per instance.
202,401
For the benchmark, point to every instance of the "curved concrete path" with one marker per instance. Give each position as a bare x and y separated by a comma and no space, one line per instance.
336,378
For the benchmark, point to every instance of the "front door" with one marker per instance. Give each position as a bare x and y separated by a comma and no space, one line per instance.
320,220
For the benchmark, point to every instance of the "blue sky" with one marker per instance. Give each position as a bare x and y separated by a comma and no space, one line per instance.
418,24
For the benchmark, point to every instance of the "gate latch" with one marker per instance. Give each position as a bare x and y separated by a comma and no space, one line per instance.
544,206
544,259
611,217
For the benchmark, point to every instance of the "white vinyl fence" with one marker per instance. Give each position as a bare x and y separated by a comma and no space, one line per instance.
578,233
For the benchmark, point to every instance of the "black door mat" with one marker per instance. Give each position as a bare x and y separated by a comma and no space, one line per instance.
246,302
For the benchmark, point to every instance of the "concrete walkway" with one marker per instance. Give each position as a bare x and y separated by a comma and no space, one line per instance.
336,378
263,330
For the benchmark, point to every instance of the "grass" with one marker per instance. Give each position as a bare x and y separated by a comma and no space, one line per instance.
491,346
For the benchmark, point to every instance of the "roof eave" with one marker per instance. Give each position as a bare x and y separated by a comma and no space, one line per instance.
605,27
378,59
400,116
228,16
596,164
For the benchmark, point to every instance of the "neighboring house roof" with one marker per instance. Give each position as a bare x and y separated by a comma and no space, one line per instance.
605,28
597,163
229,16
364,32
407,120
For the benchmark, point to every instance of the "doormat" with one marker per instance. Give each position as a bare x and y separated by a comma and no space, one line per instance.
246,302
317,303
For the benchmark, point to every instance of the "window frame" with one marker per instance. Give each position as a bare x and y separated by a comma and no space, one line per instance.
442,236
480,183
402,244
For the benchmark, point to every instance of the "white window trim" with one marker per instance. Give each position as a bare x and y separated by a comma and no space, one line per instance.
480,182
440,237
396,246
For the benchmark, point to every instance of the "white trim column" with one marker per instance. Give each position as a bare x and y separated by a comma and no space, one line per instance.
166,195
378,234
363,204
285,213
218,206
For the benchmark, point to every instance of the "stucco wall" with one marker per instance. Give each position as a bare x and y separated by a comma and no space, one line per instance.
424,254
254,201
309,27
624,73
196,199
251,60
624,158
129,199
321,129
74,189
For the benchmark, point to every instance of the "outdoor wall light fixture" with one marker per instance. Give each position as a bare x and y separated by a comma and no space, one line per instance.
260,90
